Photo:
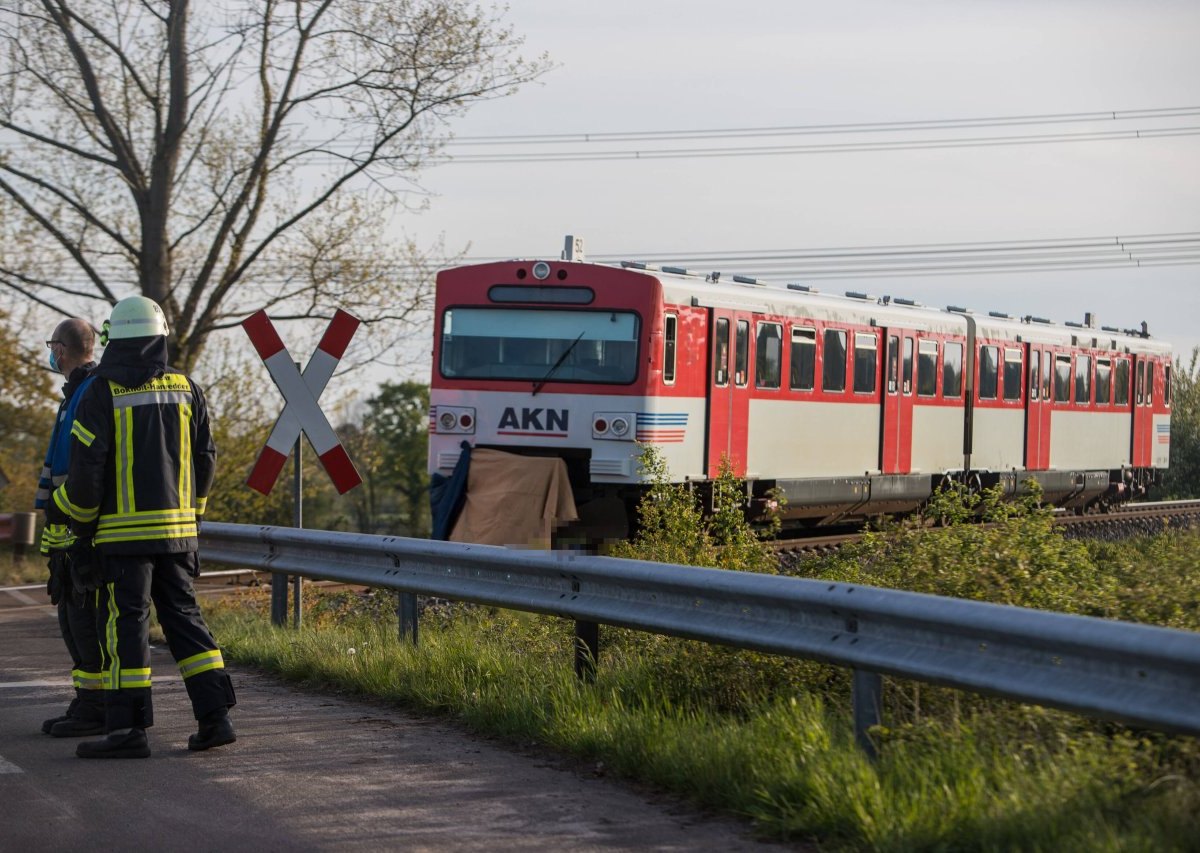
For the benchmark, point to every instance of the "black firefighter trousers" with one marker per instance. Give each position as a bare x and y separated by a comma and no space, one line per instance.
77,622
123,620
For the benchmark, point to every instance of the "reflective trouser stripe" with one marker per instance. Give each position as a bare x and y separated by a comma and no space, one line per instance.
112,676
87,680
130,678
202,662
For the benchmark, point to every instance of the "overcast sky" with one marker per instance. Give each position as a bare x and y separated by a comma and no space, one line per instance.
658,65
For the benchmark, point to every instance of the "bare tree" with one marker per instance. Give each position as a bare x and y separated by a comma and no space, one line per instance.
231,154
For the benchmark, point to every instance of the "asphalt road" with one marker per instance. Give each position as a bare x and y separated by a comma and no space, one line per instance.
308,772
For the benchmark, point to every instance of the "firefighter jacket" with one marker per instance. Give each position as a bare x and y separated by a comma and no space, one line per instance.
142,456
56,535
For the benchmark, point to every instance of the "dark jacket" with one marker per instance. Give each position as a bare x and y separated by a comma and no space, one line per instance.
142,455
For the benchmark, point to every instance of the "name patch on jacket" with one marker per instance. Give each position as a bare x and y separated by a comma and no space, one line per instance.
169,388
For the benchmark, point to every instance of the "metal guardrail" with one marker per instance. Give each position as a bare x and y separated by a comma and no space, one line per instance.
1136,674
20,529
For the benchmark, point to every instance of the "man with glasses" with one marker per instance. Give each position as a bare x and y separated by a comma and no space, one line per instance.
71,355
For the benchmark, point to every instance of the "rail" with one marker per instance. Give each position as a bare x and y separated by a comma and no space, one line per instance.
1136,674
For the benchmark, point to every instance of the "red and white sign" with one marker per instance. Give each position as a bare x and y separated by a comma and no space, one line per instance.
301,392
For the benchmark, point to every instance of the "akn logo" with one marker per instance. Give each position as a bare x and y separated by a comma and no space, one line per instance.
550,423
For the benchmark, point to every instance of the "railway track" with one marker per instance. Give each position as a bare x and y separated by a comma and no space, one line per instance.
1123,522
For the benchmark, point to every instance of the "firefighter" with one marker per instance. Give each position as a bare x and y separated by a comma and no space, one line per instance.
142,462
71,347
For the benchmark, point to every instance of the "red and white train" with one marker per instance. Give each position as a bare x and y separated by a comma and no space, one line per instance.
850,405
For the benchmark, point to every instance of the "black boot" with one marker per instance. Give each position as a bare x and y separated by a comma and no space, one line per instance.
77,727
84,718
215,730
130,744
47,725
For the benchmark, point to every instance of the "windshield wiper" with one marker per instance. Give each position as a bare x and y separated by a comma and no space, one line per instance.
537,386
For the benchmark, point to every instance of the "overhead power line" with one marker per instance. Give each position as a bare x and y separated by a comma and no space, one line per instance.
868,261
819,148
817,129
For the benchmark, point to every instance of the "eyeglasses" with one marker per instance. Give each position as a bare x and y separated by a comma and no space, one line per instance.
52,343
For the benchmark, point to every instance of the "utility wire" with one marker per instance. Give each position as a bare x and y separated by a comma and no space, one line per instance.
816,129
1046,255
824,148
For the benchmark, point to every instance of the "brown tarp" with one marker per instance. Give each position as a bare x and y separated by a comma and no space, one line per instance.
514,500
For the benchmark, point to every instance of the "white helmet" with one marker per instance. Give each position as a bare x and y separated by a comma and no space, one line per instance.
134,317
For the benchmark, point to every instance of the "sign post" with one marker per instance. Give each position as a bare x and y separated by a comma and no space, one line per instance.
301,414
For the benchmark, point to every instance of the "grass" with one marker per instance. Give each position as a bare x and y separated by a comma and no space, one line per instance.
748,734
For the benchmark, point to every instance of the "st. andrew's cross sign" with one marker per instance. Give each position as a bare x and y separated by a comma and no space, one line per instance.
300,393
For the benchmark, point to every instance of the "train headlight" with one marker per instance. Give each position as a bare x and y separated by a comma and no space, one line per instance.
541,270
455,420
613,426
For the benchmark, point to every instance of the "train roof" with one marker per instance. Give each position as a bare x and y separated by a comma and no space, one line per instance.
688,287
768,297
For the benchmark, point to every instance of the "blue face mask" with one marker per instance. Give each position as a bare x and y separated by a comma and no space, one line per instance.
54,362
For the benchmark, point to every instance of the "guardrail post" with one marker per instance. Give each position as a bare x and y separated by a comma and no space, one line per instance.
587,650
406,610
867,700
279,598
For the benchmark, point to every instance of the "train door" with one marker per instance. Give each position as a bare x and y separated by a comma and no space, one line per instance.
895,448
728,389
1142,453
1038,408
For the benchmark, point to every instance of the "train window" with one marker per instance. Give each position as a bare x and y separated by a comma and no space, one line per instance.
907,369
1141,382
833,372
670,333
1083,380
866,357
741,354
1121,383
1013,374
1062,378
989,372
768,355
1103,381
568,345
804,359
1150,383
893,363
1167,386
1035,361
927,354
952,359
1046,376
721,353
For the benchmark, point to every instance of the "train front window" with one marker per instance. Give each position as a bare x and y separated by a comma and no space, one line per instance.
530,344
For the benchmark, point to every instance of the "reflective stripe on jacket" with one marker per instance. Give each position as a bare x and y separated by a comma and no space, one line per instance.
142,462
56,535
